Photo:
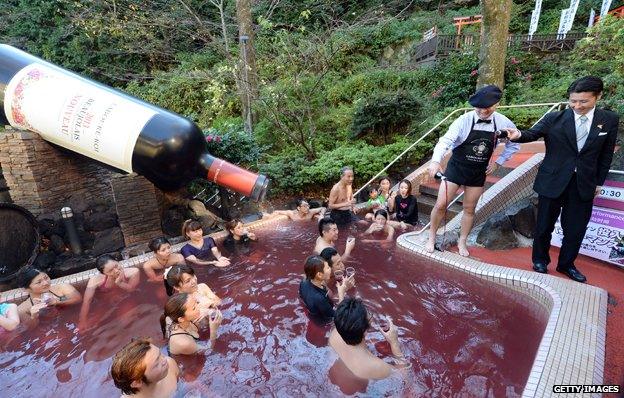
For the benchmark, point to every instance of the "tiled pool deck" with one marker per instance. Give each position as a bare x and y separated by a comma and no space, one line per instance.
572,350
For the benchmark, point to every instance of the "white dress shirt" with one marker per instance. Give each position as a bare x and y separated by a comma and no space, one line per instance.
577,124
460,128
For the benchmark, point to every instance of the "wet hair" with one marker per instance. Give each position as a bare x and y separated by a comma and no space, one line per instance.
101,262
313,265
174,276
155,243
325,224
301,201
26,276
174,308
351,320
345,169
409,186
230,225
381,212
327,254
190,225
586,84
128,365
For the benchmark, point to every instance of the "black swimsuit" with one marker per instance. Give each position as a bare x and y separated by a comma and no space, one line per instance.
61,298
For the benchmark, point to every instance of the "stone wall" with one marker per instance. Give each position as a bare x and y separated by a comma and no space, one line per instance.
138,210
110,209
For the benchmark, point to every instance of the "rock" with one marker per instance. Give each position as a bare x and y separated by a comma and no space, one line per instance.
44,260
200,213
497,233
107,241
49,227
524,220
172,220
100,221
57,245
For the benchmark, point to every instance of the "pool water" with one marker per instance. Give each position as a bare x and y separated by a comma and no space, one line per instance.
462,335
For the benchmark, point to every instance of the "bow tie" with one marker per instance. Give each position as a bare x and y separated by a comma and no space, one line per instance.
483,121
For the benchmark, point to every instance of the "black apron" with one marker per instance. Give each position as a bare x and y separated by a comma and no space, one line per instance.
470,159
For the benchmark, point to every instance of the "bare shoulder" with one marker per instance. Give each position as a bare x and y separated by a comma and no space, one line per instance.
131,271
152,263
176,258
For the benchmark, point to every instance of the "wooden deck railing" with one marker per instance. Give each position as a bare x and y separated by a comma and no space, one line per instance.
443,45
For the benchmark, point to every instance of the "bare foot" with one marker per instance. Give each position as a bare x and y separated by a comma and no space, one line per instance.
430,246
463,249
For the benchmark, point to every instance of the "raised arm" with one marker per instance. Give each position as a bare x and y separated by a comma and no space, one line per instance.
89,293
72,296
534,133
130,281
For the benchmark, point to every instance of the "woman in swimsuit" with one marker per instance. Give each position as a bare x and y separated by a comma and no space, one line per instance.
380,227
178,325
200,250
181,278
163,259
42,295
111,276
9,318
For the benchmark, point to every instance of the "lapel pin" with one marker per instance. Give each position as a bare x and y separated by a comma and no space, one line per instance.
599,126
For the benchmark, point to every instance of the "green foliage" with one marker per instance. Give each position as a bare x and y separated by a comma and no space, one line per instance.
384,113
230,142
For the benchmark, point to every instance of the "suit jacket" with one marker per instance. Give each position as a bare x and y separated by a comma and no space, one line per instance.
562,156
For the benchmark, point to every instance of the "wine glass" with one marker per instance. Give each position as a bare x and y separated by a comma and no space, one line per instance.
339,275
350,271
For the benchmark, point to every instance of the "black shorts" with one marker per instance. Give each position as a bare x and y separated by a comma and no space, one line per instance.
465,174
343,217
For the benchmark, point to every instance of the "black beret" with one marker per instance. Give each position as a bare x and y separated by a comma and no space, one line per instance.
486,97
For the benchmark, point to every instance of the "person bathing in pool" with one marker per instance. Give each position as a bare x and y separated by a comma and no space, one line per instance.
328,231
140,369
314,293
112,276
303,212
380,227
179,325
200,250
351,322
181,278
42,296
163,259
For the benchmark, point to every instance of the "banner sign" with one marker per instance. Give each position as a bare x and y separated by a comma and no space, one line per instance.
535,15
567,18
592,16
611,195
606,4
604,237
562,21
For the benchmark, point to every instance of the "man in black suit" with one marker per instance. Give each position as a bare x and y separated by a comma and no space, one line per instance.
579,147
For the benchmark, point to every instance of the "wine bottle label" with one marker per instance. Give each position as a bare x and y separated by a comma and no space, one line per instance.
69,111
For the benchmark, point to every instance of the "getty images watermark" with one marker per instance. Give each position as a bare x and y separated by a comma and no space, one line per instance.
586,388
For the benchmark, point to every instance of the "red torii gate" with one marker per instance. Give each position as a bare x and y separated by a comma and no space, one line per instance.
616,12
461,21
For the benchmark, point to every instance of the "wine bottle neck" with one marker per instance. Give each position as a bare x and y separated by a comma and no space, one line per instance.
235,178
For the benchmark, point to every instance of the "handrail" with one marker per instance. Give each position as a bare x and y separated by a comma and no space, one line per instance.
618,172
462,192
552,106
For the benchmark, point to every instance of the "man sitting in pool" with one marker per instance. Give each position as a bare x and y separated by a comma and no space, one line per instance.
341,199
303,212
328,231
347,339
333,258
140,369
314,293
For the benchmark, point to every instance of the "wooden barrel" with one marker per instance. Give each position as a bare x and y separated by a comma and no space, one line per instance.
19,240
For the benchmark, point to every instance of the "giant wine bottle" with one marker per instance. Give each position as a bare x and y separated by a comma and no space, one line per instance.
112,127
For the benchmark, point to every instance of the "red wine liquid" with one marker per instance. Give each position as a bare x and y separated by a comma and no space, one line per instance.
461,334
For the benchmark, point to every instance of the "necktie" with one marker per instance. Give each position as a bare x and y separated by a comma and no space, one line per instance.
581,132
483,121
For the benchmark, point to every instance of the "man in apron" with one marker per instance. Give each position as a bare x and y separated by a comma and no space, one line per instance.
472,137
